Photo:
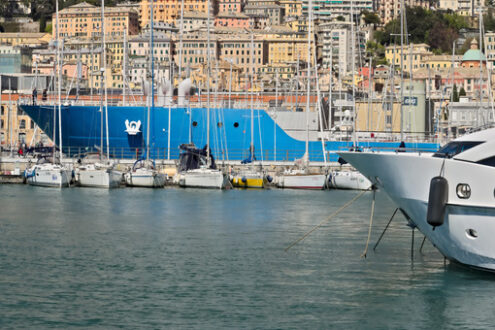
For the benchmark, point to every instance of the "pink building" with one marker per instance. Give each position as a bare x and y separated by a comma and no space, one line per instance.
233,20
230,6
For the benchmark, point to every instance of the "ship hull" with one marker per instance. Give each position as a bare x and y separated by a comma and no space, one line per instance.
229,133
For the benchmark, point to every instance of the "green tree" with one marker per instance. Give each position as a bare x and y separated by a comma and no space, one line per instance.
455,96
462,92
370,17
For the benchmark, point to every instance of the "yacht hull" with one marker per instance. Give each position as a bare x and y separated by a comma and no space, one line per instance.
211,179
349,180
466,236
249,180
99,178
301,181
145,180
50,177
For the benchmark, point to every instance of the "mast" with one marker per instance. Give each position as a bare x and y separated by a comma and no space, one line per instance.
369,94
353,62
308,92
59,89
180,38
152,92
401,70
251,148
124,70
481,67
208,87
104,73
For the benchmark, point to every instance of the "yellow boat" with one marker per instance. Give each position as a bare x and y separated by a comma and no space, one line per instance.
249,180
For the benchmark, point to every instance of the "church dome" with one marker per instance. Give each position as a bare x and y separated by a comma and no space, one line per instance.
474,54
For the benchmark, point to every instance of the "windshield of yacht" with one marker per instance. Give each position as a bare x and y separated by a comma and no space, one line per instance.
455,147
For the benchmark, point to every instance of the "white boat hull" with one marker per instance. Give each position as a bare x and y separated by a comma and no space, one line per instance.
349,180
104,178
406,179
51,176
148,179
203,178
301,181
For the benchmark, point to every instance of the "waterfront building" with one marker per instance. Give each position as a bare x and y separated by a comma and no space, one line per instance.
468,113
84,21
16,127
236,48
489,42
25,39
195,20
234,20
335,39
292,8
194,48
285,45
168,11
15,59
274,11
415,53
230,6
139,55
388,10
440,61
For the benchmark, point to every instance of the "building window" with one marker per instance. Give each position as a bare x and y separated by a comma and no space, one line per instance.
22,124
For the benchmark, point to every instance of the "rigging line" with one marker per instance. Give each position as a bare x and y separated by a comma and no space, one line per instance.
363,255
327,219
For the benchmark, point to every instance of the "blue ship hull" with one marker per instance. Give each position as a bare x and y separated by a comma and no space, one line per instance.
230,134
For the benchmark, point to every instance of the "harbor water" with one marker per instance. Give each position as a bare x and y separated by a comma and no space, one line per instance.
174,258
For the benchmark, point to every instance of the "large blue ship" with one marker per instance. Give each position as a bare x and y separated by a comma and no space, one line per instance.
230,133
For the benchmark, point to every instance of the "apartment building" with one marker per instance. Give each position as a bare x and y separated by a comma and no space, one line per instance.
84,21
169,11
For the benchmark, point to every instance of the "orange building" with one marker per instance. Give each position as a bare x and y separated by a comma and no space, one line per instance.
473,57
83,21
168,11
235,20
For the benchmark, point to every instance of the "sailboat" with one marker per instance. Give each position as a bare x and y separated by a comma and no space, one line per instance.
300,178
250,177
203,173
51,172
143,172
100,173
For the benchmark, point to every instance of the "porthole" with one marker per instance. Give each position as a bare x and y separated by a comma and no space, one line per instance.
220,124
471,233
463,191
195,123
236,124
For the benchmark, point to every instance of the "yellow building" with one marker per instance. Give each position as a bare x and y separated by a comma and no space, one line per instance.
379,118
83,20
292,7
440,61
16,127
168,11
285,45
25,39
414,54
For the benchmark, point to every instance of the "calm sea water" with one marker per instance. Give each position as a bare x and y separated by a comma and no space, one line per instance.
173,258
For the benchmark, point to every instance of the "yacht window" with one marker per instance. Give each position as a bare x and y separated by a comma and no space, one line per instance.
490,161
454,148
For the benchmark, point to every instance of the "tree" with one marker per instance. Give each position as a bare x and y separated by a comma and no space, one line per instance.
462,92
455,96
340,18
370,17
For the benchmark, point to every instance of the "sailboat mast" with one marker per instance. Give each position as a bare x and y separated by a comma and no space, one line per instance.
124,70
353,67
104,72
59,78
208,86
252,96
152,69
402,70
310,20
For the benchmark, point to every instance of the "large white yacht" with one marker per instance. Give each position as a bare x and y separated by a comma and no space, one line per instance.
449,195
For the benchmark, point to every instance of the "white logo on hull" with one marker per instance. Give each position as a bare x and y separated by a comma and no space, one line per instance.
132,128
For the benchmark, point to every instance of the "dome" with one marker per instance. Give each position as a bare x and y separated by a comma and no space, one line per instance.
474,54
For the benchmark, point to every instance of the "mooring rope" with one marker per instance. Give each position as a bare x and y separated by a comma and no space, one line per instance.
327,219
363,255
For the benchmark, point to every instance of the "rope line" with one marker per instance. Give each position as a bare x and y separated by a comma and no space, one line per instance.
327,219
363,255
